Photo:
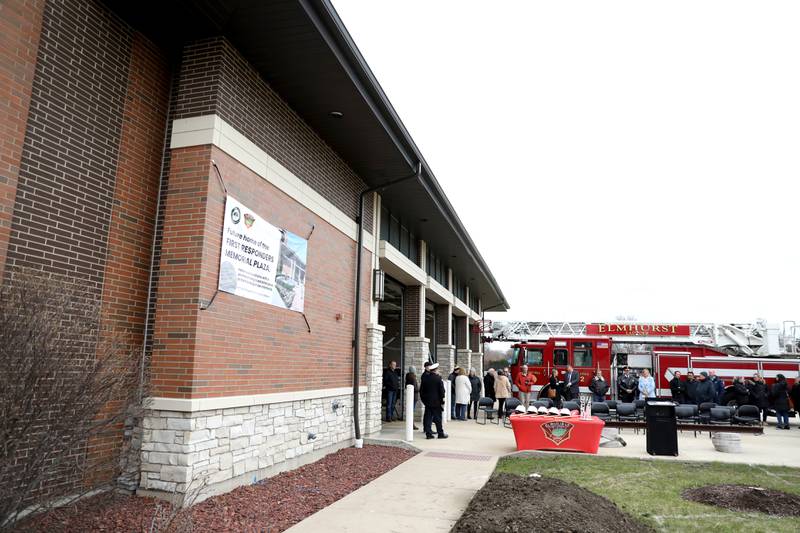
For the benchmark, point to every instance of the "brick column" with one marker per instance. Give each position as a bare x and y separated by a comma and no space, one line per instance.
20,27
416,343
374,368
461,332
445,351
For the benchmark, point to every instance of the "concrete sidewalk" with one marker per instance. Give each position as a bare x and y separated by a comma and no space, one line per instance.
430,491
426,493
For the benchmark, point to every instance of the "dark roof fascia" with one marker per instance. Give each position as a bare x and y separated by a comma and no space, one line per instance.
327,21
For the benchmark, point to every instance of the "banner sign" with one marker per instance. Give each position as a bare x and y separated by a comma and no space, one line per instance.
260,261
646,330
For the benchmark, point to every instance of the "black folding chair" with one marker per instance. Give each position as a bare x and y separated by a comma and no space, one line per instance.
705,412
572,405
600,410
612,406
640,408
720,416
510,407
747,415
686,414
626,412
486,406
543,402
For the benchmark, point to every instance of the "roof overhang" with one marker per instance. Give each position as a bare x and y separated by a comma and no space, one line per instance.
303,50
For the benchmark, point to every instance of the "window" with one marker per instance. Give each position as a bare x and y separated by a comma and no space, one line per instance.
437,270
514,357
395,233
384,223
560,357
473,301
534,357
459,289
582,354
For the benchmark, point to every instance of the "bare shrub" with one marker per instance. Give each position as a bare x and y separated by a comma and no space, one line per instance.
68,382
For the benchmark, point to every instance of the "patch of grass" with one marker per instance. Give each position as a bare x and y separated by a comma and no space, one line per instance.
650,490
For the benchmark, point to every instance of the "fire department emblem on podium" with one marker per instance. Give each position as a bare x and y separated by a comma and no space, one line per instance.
557,432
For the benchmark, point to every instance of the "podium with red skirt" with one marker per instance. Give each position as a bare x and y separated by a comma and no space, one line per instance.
564,433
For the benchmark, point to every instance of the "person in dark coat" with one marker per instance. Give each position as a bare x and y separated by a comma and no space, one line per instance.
488,384
555,385
598,387
794,394
626,386
740,392
779,393
431,393
678,387
759,394
475,381
411,379
705,389
718,385
691,387
391,384
452,378
572,380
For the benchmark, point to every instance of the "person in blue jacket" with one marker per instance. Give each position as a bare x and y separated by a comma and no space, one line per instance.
718,385
647,385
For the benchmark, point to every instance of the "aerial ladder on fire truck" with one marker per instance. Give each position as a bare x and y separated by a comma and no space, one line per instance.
757,339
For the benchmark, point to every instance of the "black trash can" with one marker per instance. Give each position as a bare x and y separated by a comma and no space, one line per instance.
662,427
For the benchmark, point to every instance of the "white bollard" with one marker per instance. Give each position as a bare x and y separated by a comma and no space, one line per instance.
409,412
447,400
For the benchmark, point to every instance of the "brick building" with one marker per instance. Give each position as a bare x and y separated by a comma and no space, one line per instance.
125,125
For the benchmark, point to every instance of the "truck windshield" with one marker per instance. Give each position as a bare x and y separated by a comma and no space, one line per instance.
514,357
582,354
534,357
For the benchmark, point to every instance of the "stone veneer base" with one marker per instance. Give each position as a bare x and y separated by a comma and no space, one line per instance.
191,456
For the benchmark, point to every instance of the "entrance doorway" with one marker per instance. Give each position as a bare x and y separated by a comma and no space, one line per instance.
390,316
430,329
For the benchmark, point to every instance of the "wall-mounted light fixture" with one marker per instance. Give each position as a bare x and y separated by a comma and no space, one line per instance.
378,279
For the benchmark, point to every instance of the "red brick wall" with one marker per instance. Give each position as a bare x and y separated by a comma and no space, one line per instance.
461,332
216,78
240,346
180,265
84,174
20,24
443,332
132,222
411,311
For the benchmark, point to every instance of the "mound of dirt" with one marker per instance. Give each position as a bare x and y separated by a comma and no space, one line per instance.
509,503
746,498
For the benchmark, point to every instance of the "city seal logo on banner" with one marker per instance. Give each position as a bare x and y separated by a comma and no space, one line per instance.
557,431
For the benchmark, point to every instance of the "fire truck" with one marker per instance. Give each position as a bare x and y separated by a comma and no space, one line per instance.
729,350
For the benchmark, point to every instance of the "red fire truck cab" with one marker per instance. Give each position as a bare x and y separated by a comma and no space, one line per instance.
585,354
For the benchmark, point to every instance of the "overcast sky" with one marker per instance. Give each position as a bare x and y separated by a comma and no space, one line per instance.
608,158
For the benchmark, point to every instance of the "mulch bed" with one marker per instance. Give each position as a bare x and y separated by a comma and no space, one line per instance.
746,498
272,505
509,503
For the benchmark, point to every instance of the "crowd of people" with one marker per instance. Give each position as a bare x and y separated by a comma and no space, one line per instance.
467,388
707,387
